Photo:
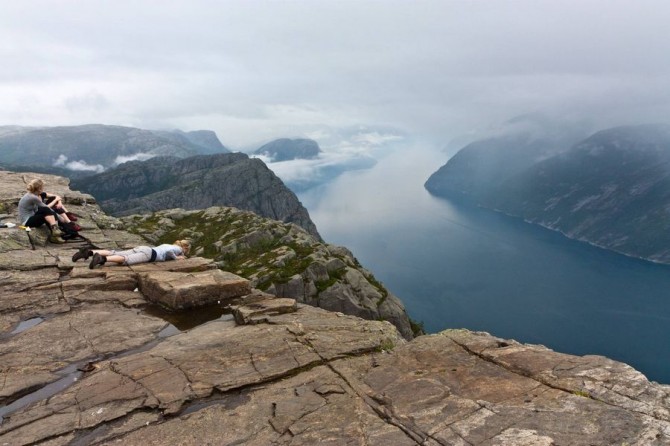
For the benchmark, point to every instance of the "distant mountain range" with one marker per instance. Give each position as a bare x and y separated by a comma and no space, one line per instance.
95,147
197,182
611,189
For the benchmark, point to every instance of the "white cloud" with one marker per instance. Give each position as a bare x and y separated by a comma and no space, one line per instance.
134,157
62,161
376,138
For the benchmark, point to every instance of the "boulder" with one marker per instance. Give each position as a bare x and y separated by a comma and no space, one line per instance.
186,290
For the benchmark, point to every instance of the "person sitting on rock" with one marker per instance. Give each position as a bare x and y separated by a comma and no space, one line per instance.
140,254
34,213
56,203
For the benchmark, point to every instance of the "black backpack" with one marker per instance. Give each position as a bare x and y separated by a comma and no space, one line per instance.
69,231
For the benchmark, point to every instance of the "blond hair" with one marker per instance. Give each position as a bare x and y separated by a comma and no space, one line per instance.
35,186
185,245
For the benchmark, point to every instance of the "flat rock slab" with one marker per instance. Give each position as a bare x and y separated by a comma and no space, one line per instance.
209,360
25,260
442,393
314,407
33,356
186,290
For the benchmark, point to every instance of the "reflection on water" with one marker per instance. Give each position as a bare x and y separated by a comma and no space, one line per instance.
28,323
183,320
458,266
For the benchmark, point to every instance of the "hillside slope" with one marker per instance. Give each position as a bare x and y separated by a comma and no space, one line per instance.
611,189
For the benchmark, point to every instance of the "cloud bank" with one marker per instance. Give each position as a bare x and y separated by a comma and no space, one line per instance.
257,70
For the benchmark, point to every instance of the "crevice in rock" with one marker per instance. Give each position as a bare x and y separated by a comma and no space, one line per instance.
85,338
293,422
253,363
172,364
386,413
292,353
148,392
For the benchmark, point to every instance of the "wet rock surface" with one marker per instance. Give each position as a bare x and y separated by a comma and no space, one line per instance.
83,361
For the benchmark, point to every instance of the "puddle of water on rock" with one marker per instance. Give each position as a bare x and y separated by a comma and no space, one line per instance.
183,320
168,331
28,323
70,376
178,321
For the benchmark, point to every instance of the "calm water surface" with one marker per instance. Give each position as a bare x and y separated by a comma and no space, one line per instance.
456,266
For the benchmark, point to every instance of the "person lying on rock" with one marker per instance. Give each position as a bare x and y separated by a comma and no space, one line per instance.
34,213
140,254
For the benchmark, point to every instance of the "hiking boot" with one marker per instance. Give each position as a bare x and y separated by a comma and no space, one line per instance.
56,239
83,253
97,260
71,216
56,232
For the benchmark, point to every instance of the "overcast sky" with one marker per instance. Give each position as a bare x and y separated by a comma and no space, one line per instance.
256,70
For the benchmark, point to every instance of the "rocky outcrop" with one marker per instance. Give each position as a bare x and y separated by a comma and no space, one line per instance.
84,359
285,149
196,183
278,258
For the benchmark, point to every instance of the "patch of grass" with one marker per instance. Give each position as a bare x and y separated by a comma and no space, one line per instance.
582,393
386,345
378,285
333,278
417,327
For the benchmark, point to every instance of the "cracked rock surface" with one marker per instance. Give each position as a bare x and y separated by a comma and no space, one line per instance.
83,362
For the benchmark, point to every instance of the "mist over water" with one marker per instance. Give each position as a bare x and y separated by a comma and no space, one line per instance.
458,266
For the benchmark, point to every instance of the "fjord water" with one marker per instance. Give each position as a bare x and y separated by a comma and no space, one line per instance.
459,266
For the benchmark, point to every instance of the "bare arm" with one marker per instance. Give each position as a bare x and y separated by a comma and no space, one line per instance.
56,200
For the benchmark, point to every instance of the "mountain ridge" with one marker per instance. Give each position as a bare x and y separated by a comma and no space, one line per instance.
95,147
227,179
